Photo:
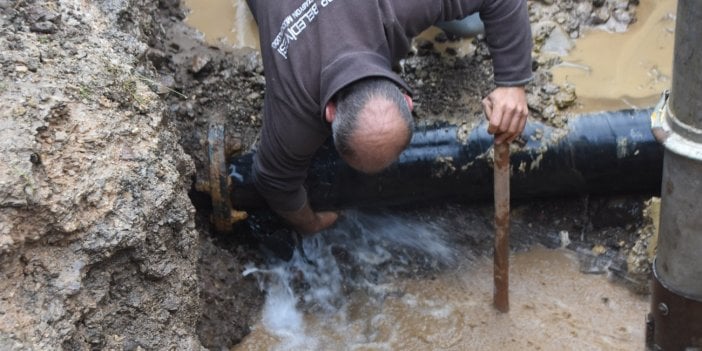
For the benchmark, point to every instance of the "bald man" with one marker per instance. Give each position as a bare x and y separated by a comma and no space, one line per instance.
328,72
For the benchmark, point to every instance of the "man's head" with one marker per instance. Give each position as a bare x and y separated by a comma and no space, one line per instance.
371,123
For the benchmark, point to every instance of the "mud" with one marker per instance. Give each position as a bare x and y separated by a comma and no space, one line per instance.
98,241
104,116
223,23
638,67
98,244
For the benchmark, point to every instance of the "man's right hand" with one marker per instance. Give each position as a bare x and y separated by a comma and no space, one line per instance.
308,222
506,109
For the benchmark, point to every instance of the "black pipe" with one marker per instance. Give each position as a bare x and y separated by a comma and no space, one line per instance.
601,153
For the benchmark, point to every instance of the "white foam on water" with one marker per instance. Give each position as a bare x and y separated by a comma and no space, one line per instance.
387,282
364,251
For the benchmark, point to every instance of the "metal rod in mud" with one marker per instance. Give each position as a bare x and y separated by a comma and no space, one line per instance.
501,255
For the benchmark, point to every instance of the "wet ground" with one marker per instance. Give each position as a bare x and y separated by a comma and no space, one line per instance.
623,70
553,307
423,280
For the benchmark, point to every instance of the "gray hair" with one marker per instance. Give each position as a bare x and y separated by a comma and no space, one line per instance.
352,99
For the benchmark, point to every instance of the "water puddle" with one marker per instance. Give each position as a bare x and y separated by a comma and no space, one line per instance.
620,70
385,282
227,23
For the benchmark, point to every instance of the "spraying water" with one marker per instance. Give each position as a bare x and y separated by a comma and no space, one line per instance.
362,254
383,281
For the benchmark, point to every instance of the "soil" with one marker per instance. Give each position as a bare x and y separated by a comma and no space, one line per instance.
105,112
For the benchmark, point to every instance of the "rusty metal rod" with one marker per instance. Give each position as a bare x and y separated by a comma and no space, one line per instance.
501,255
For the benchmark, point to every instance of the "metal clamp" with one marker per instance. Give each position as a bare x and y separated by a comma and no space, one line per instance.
677,137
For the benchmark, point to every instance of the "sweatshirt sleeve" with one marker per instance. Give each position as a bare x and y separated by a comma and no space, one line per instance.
282,193
508,35
286,148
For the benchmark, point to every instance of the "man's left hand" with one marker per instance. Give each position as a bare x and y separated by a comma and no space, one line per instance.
506,109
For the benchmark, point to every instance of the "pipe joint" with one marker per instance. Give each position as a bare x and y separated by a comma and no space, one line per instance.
677,137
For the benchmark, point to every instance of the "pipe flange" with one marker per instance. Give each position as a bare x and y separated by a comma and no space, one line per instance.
676,136
220,185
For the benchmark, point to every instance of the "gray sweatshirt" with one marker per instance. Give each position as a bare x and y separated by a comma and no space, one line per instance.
313,48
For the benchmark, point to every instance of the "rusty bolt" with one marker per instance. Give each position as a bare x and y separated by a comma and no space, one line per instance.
663,308
232,145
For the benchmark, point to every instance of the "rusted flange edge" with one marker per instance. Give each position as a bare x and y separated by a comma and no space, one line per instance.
220,184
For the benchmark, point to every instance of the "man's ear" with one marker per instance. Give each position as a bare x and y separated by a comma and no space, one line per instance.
330,111
410,104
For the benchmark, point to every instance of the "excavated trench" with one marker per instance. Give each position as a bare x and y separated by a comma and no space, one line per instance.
417,277
109,107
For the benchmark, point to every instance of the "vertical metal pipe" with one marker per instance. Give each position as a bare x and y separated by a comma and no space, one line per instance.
675,321
679,260
687,64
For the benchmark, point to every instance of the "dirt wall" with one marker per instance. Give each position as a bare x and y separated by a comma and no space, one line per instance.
98,247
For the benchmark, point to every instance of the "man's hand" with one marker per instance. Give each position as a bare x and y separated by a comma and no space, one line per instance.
307,221
506,109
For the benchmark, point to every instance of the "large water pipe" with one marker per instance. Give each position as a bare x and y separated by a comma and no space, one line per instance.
600,153
675,320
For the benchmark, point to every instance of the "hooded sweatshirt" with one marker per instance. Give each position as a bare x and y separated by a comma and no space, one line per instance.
313,48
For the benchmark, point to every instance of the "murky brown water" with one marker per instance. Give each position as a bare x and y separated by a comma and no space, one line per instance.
225,22
553,307
619,70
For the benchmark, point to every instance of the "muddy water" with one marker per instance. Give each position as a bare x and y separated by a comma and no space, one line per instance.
389,283
227,23
618,70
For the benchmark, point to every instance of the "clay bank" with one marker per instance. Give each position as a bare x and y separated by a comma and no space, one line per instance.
106,239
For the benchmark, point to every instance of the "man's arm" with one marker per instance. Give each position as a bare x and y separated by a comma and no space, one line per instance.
280,167
508,34
286,196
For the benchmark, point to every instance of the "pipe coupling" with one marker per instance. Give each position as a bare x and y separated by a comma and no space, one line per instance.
676,136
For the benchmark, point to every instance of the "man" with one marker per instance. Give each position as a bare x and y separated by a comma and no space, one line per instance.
328,71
